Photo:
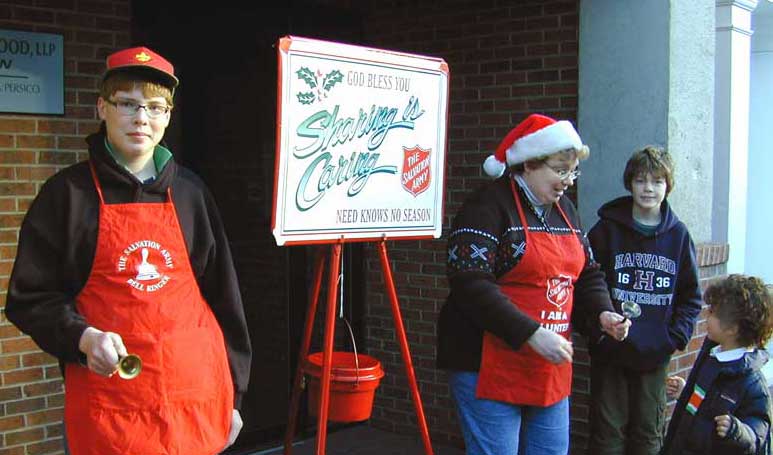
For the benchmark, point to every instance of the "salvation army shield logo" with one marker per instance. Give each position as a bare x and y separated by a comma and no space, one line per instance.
559,290
416,170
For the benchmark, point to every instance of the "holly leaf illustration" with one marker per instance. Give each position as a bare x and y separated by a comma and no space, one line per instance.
307,75
305,97
331,79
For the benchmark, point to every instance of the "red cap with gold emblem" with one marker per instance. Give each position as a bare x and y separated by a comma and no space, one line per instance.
142,58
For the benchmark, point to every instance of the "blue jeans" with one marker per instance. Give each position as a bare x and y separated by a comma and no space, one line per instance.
497,428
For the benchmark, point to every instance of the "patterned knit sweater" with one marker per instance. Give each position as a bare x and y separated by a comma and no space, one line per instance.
486,241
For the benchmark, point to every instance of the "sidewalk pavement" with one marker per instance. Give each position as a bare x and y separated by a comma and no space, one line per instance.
365,440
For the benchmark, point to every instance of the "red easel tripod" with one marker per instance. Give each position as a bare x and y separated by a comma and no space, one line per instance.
335,254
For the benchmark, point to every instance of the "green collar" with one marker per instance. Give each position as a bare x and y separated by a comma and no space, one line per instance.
161,156
646,229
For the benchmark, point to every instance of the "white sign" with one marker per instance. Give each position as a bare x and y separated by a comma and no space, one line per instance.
31,72
361,143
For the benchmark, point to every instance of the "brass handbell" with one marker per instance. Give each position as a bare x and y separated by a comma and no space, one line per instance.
129,366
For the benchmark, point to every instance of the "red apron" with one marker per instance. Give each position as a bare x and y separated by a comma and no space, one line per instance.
142,287
542,286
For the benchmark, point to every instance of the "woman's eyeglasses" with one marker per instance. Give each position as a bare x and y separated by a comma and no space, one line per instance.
565,174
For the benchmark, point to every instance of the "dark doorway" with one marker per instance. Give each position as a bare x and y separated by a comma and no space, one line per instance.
223,128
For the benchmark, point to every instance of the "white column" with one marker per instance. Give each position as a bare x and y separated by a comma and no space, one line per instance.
759,248
691,112
731,126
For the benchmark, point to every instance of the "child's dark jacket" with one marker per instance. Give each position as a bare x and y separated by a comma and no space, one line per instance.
740,391
658,272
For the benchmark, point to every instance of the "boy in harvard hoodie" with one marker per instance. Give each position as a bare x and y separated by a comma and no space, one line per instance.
648,257
725,407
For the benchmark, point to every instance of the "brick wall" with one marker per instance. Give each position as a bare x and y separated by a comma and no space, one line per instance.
32,148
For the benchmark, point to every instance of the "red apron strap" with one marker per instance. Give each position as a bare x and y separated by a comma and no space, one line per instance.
569,223
521,215
96,182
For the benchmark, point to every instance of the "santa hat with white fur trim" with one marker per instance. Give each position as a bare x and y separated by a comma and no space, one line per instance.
534,137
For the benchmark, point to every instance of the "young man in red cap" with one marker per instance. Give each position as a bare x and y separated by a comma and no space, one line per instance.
126,253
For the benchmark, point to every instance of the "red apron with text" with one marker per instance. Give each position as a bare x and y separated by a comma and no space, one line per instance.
541,286
142,287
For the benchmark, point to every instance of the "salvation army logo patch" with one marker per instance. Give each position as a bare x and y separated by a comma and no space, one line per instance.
416,171
146,262
559,290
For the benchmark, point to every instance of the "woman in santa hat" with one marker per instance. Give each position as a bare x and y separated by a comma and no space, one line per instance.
520,272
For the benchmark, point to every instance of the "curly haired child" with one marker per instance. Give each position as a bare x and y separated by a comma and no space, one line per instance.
725,404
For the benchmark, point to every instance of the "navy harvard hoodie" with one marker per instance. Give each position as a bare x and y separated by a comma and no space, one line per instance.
657,271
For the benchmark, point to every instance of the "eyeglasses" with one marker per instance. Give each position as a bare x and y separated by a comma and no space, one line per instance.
565,174
130,108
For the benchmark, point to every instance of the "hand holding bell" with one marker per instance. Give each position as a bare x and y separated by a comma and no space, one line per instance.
630,310
103,350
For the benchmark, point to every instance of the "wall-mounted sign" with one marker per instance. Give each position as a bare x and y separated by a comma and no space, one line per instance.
31,72
361,143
